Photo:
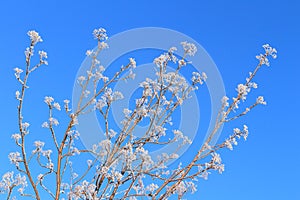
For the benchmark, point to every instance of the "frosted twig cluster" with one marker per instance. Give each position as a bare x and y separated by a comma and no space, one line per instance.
120,166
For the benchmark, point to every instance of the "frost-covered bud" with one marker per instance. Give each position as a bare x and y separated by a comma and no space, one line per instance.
117,96
245,132
182,62
25,125
28,52
50,166
242,89
16,137
103,45
263,60
89,52
225,101
48,100
101,103
228,144
18,95
45,125
18,71
66,105
172,49
216,158
260,100
252,84
205,175
132,62
42,54
66,101
220,168
47,153
161,60
270,50
100,34
189,48
57,106
53,121
127,112
40,177
80,79
39,144
15,158
34,37
236,130
199,78
75,151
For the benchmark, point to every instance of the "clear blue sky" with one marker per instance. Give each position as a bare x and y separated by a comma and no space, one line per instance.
232,32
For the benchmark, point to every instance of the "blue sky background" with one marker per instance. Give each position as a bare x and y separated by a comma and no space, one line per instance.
232,32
